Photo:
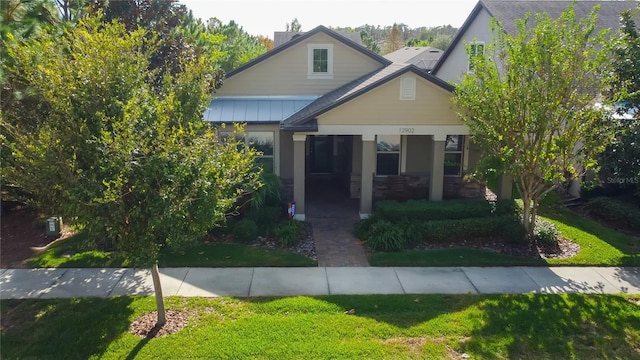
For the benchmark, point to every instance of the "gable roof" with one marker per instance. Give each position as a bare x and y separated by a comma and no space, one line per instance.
422,57
305,119
305,36
283,37
508,11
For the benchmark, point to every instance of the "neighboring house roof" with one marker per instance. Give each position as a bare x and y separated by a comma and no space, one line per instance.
255,109
283,37
508,11
422,57
305,119
303,37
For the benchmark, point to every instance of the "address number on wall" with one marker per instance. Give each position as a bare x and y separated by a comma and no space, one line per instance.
407,130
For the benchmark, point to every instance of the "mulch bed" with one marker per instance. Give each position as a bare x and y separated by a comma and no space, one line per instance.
145,326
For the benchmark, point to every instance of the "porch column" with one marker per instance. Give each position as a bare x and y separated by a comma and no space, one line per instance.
368,168
436,180
298,174
505,187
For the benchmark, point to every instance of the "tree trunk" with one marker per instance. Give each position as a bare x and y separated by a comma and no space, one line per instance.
526,216
157,288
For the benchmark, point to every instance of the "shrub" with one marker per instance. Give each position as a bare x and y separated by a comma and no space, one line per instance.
267,217
619,212
512,230
506,207
362,228
385,236
269,193
245,230
421,210
287,233
546,233
443,230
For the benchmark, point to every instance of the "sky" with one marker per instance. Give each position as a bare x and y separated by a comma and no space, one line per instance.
265,17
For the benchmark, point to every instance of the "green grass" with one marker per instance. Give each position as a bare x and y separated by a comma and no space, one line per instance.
73,252
450,257
533,326
600,246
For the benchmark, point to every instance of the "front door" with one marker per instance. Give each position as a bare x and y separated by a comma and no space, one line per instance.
321,154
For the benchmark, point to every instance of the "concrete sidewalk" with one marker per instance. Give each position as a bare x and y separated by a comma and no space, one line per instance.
249,282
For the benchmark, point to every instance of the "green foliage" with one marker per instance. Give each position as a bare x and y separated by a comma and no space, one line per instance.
288,233
266,217
245,230
238,46
617,212
120,148
529,101
421,210
512,230
546,233
444,230
269,192
385,236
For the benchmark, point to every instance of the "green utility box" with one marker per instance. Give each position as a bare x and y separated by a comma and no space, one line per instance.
54,224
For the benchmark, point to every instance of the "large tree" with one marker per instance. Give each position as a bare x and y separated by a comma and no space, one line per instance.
529,102
622,158
130,161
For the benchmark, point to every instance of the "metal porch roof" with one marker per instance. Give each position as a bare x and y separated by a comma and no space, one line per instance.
255,109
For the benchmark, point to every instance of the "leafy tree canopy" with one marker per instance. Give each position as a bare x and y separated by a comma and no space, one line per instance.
529,102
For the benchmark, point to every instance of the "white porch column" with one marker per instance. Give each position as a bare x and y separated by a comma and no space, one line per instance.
299,142
368,168
436,179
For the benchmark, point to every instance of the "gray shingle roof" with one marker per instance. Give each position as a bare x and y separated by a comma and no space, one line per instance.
507,11
305,118
423,57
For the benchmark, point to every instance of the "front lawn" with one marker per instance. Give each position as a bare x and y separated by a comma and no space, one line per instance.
72,253
532,326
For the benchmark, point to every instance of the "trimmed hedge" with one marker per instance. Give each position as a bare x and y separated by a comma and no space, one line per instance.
384,235
421,210
616,211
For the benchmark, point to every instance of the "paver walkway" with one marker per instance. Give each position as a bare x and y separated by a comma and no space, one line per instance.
332,215
250,282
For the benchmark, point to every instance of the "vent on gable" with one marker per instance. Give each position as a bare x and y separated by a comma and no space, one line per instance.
408,88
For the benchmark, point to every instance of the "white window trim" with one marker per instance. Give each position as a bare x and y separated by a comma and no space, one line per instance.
275,157
316,75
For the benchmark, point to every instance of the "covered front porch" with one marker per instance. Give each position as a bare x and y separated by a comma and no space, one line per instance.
366,162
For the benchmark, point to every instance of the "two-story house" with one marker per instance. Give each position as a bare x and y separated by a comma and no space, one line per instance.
321,106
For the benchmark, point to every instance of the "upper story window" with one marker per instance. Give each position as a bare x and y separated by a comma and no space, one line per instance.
476,49
320,64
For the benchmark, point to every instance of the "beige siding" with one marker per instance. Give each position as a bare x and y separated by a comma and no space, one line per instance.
286,155
382,106
418,154
474,155
286,73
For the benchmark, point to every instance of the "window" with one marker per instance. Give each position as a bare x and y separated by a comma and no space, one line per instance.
388,154
320,61
476,49
453,155
263,142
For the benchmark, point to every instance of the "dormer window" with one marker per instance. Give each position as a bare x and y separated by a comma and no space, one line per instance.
320,61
